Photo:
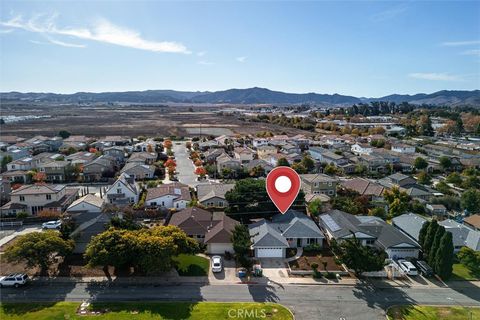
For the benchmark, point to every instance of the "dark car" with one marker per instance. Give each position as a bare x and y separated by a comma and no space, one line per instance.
424,268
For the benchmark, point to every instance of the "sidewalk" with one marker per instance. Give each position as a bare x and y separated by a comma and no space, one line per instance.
21,231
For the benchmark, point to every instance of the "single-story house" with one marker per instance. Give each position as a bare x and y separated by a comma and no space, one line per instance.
213,195
290,230
410,224
173,196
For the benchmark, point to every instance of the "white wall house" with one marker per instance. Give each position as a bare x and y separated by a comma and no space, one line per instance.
361,149
403,148
124,191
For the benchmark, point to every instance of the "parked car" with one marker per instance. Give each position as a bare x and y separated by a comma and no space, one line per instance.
408,267
13,280
217,265
424,268
56,224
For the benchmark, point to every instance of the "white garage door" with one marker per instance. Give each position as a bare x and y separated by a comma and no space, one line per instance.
269,253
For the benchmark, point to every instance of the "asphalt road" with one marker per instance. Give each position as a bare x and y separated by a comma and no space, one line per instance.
307,302
185,167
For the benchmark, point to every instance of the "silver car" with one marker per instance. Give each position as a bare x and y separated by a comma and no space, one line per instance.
217,265
13,280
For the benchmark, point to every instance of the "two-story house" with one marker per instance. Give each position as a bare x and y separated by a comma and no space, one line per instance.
319,183
123,191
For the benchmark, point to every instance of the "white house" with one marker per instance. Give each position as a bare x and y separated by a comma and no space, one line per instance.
89,203
403,148
171,196
259,142
362,149
124,191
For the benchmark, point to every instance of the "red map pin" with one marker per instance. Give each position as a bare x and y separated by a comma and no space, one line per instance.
283,185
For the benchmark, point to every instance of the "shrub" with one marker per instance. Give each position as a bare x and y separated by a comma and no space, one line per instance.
22,215
312,247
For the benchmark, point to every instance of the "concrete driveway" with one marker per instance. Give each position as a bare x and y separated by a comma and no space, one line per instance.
20,231
227,275
274,268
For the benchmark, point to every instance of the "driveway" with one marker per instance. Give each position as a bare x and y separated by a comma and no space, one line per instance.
274,268
227,275
20,231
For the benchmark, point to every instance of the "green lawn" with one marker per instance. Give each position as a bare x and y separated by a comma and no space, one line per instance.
147,310
431,313
189,265
461,272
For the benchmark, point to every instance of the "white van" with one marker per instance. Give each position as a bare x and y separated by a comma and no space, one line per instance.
408,267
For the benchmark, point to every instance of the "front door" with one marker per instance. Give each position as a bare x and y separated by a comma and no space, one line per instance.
299,242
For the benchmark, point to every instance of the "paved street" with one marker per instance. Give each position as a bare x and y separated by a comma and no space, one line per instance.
307,302
185,167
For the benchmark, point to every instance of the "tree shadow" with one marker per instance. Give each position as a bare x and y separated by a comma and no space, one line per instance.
382,296
467,289
264,292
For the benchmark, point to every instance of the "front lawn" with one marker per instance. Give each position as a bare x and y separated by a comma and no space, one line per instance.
431,313
190,265
310,257
145,310
461,272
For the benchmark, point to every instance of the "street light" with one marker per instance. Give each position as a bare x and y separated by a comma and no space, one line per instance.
470,312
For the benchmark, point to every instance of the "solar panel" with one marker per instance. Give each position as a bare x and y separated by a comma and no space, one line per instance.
332,225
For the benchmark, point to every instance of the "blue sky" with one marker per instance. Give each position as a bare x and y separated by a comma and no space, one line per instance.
357,48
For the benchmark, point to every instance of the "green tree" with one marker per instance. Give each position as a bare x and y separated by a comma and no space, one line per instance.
38,249
424,178
378,212
6,160
397,202
308,163
299,168
64,134
330,169
454,178
444,257
315,207
429,238
283,162
420,163
469,258
358,257
471,200
423,233
424,126
242,242
435,245
443,187
445,162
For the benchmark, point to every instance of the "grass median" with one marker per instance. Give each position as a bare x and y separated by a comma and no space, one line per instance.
145,310
412,312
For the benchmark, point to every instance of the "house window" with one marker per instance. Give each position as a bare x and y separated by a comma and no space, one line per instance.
13,166
370,241
119,190
330,192
311,241
22,198
153,203
49,196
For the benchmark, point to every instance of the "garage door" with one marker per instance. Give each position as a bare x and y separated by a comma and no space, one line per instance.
269,252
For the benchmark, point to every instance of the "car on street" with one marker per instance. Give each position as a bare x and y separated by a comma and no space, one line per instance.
424,268
13,280
217,265
408,267
55,224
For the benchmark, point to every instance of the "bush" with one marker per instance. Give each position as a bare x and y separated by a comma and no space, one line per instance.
330,275
312,247
22,215
49,214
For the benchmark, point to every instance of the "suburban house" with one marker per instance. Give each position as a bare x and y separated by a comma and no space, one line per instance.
370,231
290,230
211,155
123,191
81,157
117,153
473,221
21,164
259,142
364,187
172,196
319,184
214,230
139,171
89,203
361,148
35,198
463,236
55,171
226,162
143,157
267,167
244,154
402,148
410,224
95,170
213,195
438,210
5,190
264,152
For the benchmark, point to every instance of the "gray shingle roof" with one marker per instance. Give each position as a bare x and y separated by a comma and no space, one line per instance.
409,223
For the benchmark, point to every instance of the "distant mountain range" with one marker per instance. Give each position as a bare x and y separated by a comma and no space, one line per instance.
242,96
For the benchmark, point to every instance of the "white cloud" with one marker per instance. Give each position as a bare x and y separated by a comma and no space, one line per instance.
473,52
241,59
389,13
201,53
101,30
205,63
460,43
435,76
6,30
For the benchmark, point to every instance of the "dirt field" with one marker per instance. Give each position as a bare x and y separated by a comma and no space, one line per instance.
130,120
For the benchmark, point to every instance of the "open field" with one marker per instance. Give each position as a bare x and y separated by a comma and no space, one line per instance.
432,313
145,310
130,121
